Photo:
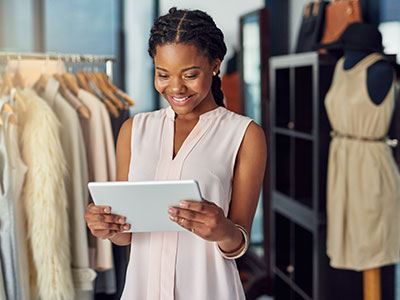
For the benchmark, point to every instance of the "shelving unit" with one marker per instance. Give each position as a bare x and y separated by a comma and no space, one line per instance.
298,154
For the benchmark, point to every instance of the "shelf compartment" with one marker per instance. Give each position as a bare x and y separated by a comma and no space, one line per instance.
303,99
282,240
283,160
303,270
282,98
303,172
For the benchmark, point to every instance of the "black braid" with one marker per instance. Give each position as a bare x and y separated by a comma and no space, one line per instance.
191,27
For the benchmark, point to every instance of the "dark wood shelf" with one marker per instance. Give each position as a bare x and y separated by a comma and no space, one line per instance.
298,153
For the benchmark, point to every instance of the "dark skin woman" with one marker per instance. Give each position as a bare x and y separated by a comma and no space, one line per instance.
187,49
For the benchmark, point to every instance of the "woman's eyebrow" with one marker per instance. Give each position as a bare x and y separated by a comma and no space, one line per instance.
183,70
190,68
161,69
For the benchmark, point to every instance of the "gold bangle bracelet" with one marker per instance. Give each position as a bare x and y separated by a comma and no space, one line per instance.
241,251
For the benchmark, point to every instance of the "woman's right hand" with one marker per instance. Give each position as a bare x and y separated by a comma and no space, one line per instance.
102,223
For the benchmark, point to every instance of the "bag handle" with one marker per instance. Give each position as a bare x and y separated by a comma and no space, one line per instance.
316,7
307,10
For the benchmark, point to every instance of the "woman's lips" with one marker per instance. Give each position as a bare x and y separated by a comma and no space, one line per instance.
180,100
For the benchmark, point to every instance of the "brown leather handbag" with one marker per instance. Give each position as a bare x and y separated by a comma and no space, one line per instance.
338,15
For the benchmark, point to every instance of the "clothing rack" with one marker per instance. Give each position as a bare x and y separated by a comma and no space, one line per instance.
66,57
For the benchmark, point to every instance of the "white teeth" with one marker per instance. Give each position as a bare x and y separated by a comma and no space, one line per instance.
180,99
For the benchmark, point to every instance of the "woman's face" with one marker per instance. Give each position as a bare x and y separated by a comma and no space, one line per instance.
183,77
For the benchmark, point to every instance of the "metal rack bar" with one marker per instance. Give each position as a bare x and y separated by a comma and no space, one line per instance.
59,56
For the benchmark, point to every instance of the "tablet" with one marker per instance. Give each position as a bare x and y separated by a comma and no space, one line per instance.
145,203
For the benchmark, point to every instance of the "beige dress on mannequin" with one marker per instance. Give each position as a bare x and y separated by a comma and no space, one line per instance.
363,192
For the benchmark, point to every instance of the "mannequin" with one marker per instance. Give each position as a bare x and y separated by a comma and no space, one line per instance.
379,75
379,81
363,182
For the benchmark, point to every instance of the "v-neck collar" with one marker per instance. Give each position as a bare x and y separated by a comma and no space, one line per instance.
206,115
170,167
194,135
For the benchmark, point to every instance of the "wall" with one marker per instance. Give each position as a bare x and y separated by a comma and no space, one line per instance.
16,25
138,19
296,8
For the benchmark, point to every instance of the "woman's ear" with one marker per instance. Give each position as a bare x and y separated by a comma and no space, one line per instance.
216,66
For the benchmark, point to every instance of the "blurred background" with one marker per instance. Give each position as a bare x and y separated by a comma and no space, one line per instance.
255,31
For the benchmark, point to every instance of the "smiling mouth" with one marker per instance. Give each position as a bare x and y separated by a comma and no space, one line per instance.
181,100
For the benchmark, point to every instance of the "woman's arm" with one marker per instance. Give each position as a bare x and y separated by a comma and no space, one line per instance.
99,219
247,183
123,161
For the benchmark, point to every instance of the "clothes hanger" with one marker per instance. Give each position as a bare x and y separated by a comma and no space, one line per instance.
8,109
98,93
83,110
83,83
8,83
70,80
40,85
98,81
107,91
18,80
112,109
116,89
71,83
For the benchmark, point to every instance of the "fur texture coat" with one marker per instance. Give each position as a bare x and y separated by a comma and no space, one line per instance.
45,201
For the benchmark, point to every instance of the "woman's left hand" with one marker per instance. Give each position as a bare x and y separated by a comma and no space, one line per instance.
205,219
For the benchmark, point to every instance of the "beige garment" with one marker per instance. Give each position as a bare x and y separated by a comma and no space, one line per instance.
363,192
76,184
31,69
101,160
45,201
18,171
2,287
72,100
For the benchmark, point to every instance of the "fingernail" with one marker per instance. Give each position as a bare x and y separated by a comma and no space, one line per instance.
107,210
171,210
183,204
172,218
126,227
122,220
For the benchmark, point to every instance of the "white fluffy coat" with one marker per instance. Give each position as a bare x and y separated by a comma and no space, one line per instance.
45,201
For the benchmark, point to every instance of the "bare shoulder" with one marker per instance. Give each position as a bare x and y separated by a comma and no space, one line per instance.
126,128
124,150
254,139
253,150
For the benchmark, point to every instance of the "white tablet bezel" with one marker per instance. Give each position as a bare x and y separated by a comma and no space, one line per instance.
145,203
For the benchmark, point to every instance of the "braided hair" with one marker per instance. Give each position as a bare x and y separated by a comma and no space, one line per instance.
193,27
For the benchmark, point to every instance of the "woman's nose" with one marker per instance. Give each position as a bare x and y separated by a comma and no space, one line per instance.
177,86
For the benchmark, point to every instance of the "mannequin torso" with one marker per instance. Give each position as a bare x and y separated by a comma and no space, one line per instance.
379,75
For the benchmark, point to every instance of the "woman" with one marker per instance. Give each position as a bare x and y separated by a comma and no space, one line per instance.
194,138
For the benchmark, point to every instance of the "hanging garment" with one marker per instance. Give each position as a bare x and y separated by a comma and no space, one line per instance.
102,167
45,201
17,172
8,245
72,100
2,288
181,265
120,253
76,185
363,188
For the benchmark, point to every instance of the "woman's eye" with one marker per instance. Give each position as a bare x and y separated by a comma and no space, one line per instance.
163,76
191,76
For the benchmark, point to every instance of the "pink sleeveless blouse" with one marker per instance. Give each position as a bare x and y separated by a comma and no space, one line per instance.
181,265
